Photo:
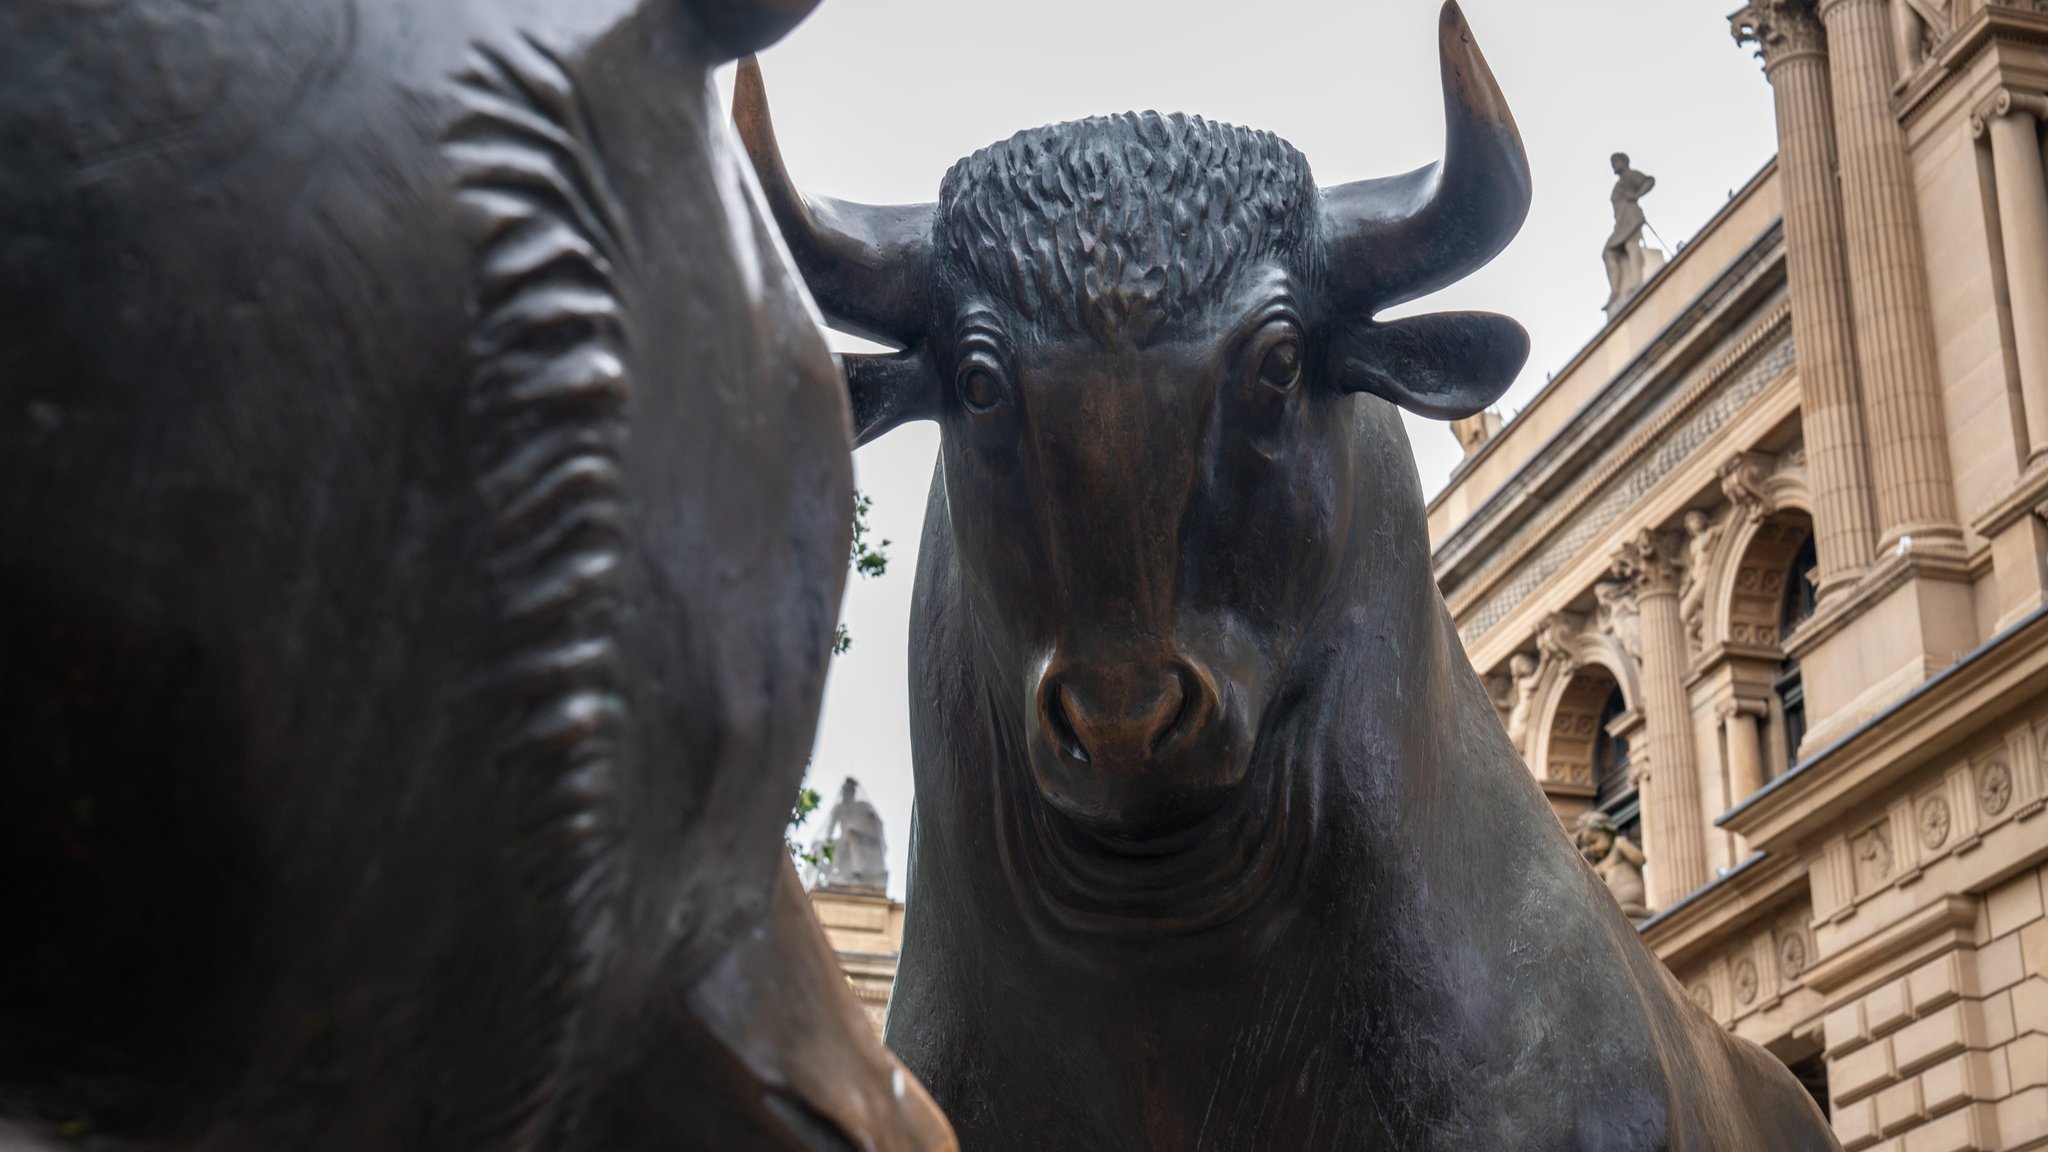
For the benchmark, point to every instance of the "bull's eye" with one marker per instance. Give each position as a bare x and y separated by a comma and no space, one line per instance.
980,391
1281,369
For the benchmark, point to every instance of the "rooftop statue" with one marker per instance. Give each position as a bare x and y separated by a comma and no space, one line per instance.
852,854
424,504
1220,843
1623,254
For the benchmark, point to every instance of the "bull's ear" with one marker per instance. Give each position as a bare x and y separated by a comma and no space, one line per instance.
888,389
1446,365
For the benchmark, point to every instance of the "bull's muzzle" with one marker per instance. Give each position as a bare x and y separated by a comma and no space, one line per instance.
1131,745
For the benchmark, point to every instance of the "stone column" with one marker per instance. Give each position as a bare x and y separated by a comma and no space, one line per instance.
1788,36
1887,285
1674,830
2012,120
1745,748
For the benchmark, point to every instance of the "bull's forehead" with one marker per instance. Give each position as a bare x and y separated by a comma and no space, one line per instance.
1266,292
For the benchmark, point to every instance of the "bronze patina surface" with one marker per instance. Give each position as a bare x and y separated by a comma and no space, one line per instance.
1219,842
424,504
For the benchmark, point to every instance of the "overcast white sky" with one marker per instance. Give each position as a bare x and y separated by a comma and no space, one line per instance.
875,99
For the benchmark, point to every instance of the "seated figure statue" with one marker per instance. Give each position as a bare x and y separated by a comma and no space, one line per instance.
1616,859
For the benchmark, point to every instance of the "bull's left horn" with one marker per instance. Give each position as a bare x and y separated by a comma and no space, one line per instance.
866,265
1400,237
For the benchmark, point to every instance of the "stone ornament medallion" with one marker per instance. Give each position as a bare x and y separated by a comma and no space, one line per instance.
1704,997
1745,982
1792,955
1934,823
1994,787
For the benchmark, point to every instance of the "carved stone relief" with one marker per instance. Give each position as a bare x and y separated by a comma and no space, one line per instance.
1618,615
1778,28
1792,954
1758,596
1745,976
1704,997
1934,822
1873,851
1743,483
1525,673
1703,533
1994,787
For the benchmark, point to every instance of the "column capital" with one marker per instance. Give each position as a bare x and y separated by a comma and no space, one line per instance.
1828,8
1781,30
2006,102
1653,563
1742,705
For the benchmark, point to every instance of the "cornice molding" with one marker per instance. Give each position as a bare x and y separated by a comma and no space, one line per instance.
1951,707
1921,935
1527,537
1753,890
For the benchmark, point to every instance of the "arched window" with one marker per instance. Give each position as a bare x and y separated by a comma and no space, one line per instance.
1614,793
1793,610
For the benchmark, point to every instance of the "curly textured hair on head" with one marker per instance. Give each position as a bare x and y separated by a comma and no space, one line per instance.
1122,222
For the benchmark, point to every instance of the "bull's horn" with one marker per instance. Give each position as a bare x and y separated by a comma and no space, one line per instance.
1400,237
866,265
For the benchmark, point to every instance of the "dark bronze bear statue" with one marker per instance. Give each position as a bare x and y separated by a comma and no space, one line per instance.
424,499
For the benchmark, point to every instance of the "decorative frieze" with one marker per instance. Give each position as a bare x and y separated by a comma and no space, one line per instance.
1710,401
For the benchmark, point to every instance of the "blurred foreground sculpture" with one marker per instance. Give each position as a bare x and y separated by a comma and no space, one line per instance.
424,504
1219,842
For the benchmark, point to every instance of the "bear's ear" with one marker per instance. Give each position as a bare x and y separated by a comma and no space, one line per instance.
1445,365
888,389
744,27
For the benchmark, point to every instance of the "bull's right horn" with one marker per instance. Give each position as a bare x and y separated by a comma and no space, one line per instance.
866,265
1400,237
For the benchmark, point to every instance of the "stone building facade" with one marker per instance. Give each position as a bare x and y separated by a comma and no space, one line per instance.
865,930
1762,574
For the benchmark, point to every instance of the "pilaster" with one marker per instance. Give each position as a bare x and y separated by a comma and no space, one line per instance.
2012,122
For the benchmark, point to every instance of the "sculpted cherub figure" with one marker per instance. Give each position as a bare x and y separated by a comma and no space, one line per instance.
1617,860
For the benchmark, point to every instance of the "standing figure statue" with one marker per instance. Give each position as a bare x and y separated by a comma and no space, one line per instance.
853,853
1624,251
1616,859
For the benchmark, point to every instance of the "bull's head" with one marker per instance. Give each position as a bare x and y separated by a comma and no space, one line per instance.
1140,335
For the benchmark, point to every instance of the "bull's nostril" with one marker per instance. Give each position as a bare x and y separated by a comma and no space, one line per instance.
1063,726
1174,707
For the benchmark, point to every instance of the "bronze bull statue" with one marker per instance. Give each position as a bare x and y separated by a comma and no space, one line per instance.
1218,842
424,506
